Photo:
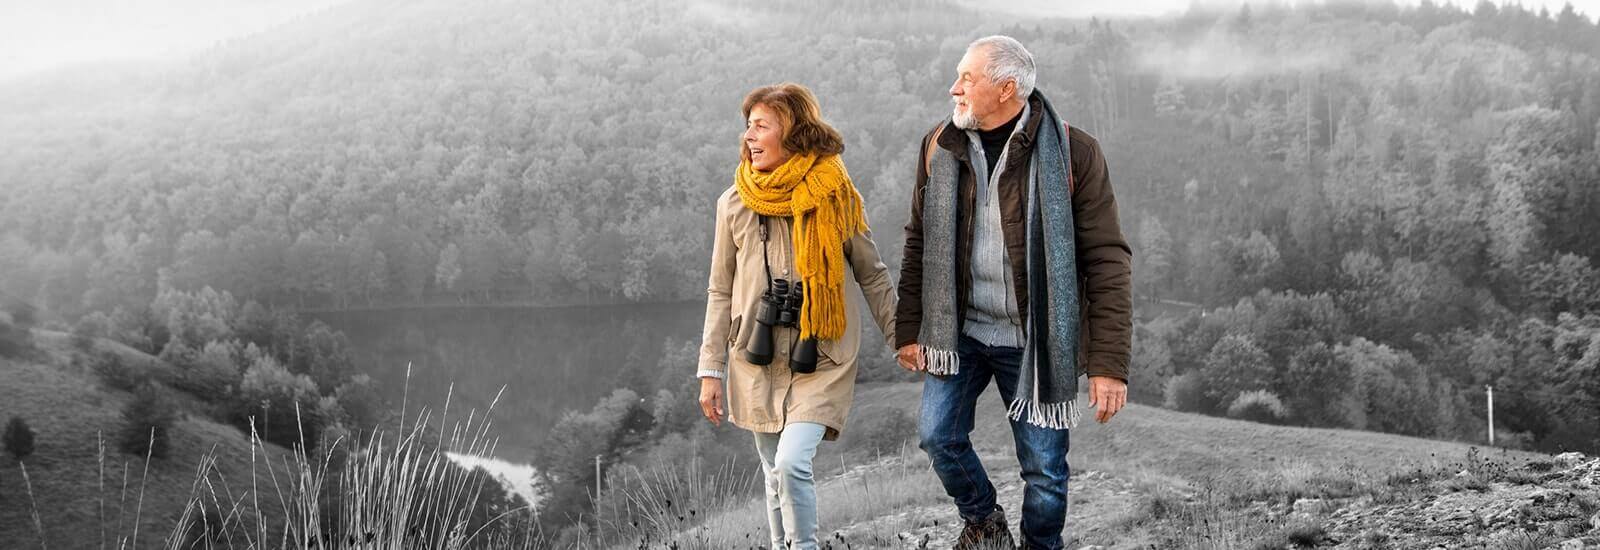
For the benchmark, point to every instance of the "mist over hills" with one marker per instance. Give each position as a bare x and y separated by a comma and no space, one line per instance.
1410,188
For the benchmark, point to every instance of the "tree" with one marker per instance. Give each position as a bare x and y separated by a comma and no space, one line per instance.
1525,170
212,373
361,402
325,357
311,261
1316,383
448,271
147,423
1154,257
202,260
276,404
194,318
1151,365
1185,393
566,463
1568,283
1286,322
1258,406
19,438
1388,389
1235,365
1252,262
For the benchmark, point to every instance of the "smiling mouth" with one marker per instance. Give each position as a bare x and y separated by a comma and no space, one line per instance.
756,150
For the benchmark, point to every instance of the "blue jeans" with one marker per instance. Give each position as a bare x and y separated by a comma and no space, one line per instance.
791,494
945,425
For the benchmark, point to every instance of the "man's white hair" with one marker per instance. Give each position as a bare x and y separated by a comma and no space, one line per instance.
1008,60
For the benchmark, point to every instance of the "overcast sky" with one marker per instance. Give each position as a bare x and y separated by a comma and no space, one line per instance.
37,35
1162,7
45,34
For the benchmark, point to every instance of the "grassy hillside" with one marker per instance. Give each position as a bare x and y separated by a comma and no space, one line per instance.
1150,477
72,414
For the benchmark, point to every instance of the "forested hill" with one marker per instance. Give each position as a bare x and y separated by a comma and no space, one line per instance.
1407,194
396,152
477,151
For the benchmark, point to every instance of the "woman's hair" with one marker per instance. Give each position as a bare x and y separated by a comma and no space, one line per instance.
801,116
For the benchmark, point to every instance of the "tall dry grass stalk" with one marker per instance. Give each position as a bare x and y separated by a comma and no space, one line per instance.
655,504
380,493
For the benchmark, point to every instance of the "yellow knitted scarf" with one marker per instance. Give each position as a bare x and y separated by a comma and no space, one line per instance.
826,208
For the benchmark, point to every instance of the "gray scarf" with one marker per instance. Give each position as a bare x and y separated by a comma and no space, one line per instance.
1047,387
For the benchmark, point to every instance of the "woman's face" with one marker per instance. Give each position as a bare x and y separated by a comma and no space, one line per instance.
763,137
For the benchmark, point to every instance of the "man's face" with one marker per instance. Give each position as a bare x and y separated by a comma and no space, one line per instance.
976,97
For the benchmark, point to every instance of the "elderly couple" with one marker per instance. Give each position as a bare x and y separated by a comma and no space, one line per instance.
1015,270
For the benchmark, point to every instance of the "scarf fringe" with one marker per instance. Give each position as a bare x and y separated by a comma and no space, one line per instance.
1056,416
941,362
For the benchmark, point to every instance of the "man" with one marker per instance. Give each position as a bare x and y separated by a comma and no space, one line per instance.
1015,269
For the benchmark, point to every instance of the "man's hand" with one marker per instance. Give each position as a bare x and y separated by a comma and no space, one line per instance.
711,399
1107,395
910,357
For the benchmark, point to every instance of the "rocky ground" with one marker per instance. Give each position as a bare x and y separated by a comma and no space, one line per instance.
1540,504
1485,504
1552,504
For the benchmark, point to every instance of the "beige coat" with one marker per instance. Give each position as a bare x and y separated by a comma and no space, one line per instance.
767,398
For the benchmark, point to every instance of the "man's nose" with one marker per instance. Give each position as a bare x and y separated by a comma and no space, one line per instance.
955,88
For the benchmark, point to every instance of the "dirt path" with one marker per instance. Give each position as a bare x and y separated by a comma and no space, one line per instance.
1096,501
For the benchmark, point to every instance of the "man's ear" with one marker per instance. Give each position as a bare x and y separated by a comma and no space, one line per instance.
1008,91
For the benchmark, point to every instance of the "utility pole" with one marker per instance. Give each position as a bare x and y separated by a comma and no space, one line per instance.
1490,390
597,469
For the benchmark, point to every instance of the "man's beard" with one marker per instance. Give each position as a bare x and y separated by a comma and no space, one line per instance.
967,121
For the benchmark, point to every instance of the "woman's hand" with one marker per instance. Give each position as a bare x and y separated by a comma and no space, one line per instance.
711,399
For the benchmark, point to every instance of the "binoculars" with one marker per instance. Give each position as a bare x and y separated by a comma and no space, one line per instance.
780,307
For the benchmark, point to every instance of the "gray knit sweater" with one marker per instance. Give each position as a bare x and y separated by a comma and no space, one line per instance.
992,316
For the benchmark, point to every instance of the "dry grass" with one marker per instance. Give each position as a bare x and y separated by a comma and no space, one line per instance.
384,492
870,495
654,505
404,493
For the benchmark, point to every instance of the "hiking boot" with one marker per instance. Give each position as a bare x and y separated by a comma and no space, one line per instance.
989,534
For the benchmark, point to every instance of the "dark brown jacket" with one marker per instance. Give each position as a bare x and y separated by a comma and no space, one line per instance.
1104,259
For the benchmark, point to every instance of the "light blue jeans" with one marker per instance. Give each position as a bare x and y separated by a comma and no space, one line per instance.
791,494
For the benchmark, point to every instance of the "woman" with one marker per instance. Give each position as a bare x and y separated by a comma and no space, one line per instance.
791,218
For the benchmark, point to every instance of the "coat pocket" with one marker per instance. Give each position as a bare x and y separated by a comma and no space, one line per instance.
733,330
834,351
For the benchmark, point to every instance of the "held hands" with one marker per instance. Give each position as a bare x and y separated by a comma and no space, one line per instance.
1107,395
711,400
910,357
